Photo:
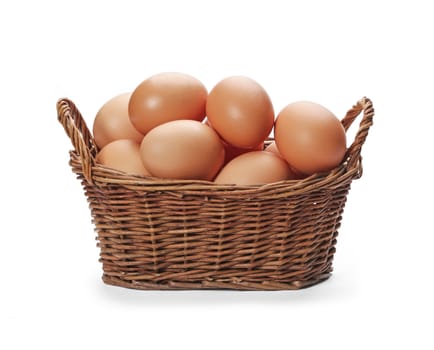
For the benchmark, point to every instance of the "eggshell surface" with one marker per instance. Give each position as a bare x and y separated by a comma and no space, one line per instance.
232,152
310,137
182,149
241,111
166,97
272,148
123,155
255,168
112,122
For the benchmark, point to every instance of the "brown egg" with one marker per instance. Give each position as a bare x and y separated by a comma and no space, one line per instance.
232,152
272,148
123,155
165,97
310,137
113,123
182,149
254,168
241,111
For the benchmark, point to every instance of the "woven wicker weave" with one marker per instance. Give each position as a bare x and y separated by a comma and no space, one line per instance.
167,234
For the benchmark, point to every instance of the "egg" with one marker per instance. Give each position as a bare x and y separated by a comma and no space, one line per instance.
112,122
241,111
310,137
272,148
232,152
123,155
182,149
166,97
255,168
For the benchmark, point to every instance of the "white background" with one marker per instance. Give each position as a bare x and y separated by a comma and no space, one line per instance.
331,52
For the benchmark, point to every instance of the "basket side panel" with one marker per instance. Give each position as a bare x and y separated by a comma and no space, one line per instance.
152,239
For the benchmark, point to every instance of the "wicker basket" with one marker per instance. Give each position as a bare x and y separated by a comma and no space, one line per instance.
167,234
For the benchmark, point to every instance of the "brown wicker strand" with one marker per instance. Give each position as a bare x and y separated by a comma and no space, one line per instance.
353,153
79,134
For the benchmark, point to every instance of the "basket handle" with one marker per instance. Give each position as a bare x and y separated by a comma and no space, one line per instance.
354,151
81,138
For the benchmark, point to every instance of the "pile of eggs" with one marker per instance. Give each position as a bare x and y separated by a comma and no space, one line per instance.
170,127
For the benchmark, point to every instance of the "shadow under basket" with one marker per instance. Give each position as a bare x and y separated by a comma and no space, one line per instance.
170,234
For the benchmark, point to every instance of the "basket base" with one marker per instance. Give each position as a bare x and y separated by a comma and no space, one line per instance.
214,285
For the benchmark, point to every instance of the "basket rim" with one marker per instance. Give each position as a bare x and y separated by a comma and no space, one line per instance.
82,159
104,177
